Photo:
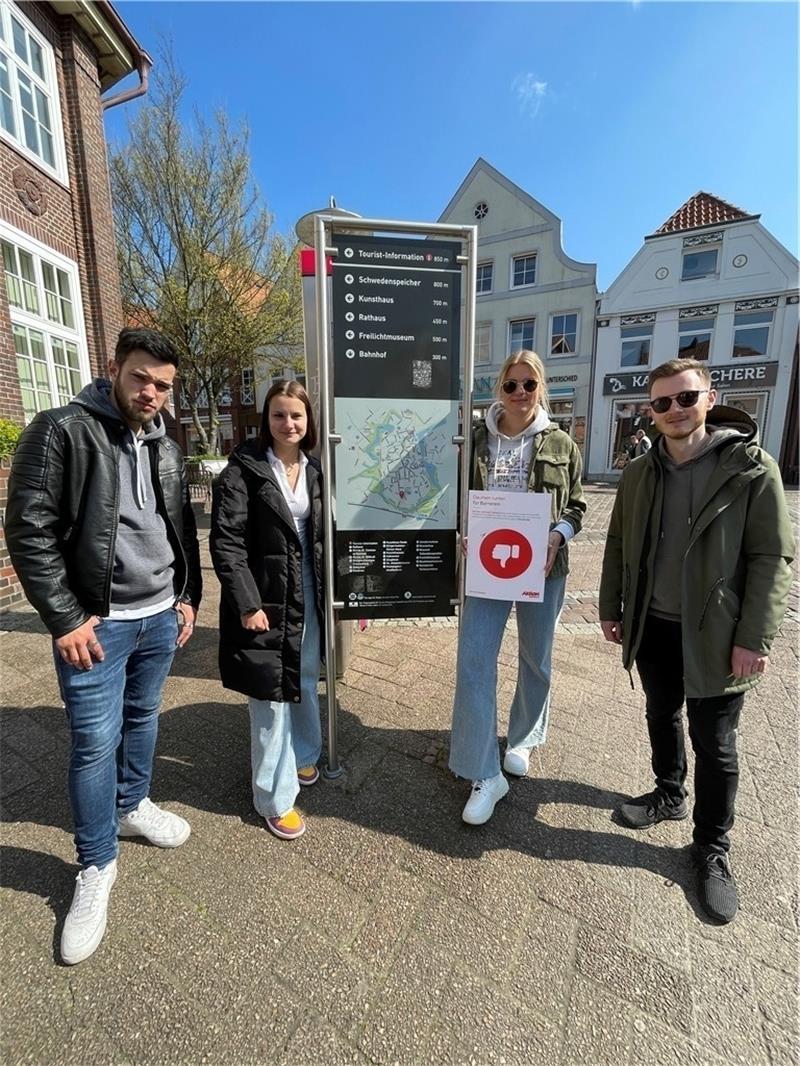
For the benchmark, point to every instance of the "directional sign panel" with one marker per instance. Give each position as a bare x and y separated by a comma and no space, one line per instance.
396,324
396,383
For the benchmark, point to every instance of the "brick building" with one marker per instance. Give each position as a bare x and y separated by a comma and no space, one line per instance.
60,309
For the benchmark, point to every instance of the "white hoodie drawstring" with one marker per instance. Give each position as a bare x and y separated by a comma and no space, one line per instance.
141,483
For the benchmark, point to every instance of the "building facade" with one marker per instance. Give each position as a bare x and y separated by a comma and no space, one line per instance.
712,284
240,404
60,309
530,293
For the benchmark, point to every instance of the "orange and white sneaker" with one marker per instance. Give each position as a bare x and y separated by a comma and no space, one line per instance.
307,775
287,826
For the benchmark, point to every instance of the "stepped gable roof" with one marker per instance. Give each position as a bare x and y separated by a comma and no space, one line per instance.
702,209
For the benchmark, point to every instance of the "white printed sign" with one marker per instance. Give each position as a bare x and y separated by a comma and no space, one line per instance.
507,545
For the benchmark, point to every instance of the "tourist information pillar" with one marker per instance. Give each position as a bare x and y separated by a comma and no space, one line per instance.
396,347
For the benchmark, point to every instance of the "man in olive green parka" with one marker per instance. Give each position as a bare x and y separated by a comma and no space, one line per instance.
694,586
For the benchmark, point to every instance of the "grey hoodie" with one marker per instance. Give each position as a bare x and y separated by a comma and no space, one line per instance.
684,489
144,561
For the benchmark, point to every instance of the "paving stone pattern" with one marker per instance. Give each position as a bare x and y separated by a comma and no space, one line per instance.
391,932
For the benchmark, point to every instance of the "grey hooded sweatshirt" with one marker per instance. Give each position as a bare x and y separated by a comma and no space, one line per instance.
144,561
684,487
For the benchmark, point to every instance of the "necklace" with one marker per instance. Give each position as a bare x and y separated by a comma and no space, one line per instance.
290,467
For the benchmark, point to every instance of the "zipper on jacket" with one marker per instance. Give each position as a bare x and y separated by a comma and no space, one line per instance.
113,551
712,590
159,490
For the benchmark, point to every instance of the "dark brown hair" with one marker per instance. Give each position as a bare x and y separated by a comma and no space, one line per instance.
678,366
294,389
157,344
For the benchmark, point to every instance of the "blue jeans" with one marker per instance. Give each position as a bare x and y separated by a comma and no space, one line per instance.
474,750
287,736
113,717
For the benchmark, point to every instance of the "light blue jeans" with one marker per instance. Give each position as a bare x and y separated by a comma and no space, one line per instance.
113,718
474,750
286,736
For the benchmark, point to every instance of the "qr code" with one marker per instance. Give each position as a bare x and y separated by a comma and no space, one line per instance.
421,373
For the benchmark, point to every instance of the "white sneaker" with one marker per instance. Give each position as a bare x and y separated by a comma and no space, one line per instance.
481,803
86,922
162,828
517,761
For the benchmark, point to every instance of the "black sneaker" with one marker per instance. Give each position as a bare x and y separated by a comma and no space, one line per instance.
716,888
650,809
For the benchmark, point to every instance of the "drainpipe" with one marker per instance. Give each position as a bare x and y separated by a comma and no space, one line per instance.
143,67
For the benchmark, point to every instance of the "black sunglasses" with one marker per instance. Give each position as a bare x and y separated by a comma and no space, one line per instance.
510,387
684,399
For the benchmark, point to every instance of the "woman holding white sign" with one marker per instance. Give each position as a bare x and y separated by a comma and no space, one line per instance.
516,448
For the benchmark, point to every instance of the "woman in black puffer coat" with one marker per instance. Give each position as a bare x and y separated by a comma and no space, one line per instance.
267,550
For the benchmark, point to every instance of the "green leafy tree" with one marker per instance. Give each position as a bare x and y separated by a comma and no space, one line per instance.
199,258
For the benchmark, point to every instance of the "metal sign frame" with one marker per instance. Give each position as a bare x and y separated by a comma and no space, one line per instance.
324,226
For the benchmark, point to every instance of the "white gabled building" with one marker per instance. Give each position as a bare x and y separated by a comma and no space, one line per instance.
713,284
530,293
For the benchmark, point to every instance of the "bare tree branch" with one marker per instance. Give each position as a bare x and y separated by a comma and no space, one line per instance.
198,255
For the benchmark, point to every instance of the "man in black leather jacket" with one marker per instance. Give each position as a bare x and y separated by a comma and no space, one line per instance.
102,535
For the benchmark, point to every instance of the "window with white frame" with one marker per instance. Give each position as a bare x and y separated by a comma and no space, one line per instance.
46,322
751,333
523,270
755,404
694,338
201,397
485,277
483,342
248,392
563,334
520,334
700,264
224,399
30,116
636,344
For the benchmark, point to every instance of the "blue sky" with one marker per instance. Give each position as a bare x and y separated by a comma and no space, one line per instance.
612,115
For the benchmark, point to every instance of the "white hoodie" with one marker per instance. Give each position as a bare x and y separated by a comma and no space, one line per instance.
510,457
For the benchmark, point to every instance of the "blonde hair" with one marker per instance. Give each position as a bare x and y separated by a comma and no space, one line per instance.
531,360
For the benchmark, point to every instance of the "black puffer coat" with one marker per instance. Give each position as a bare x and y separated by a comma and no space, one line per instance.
257,556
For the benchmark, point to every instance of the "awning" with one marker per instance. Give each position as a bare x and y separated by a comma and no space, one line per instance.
561,392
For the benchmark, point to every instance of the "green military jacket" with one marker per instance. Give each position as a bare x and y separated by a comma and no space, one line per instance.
736,577
555,468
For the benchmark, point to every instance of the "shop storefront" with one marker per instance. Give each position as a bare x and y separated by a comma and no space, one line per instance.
626,408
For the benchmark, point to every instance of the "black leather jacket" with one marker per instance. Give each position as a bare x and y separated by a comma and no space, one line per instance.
62,514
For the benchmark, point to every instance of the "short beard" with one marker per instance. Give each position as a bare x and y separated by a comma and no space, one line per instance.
131,413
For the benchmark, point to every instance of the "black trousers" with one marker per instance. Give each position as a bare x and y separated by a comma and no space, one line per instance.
712,729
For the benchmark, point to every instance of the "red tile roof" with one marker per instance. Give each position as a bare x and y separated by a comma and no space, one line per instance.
701,210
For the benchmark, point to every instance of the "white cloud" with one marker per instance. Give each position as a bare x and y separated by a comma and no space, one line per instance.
530,92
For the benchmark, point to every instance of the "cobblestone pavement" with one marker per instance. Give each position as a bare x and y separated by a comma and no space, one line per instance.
391,932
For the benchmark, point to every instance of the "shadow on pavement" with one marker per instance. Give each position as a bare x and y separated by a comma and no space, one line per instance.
396,784
45,875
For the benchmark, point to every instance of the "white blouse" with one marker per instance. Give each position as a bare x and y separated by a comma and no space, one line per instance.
297,499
